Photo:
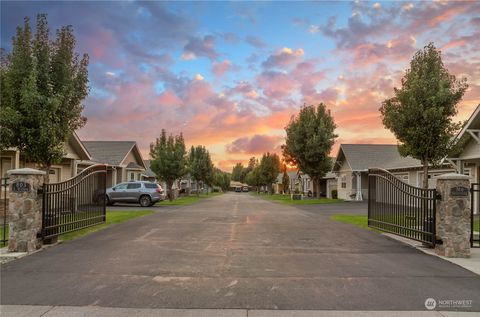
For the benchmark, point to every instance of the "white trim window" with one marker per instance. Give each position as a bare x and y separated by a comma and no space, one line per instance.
343,181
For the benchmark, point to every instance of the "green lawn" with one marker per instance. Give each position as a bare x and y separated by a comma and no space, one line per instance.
113,217
186,200
357,220
286,199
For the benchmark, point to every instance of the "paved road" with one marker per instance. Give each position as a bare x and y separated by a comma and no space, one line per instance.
236,251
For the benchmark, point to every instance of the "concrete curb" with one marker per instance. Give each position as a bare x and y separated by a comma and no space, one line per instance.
95,311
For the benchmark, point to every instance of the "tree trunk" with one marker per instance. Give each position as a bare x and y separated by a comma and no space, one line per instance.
425,174
316,187
169,190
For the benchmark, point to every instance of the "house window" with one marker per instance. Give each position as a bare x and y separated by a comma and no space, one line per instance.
344,181
402,177
132,176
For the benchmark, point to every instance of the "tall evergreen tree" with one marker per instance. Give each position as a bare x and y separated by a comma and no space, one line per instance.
421,113
310,137
168,159
43,86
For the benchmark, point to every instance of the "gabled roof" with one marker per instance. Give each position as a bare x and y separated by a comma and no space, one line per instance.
112,152
148,170
361,157
79,147
472,123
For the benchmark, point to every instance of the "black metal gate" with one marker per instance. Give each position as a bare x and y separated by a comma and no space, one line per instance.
3,211
74,204
399,208
475,206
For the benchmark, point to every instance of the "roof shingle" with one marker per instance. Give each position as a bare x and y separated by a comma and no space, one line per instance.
108,152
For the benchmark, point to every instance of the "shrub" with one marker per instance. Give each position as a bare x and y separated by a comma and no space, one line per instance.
334,194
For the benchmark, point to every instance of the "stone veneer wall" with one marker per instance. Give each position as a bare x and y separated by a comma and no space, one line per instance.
25,211
453,217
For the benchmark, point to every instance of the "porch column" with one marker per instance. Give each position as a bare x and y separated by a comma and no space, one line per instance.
359,197
114,176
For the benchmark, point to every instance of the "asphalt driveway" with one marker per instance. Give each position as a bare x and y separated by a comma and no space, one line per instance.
236,251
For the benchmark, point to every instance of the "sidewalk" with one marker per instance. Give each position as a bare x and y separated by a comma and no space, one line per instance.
94,311
472,264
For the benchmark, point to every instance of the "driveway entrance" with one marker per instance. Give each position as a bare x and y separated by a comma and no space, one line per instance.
236,251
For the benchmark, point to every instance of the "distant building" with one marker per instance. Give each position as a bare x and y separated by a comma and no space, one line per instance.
354,160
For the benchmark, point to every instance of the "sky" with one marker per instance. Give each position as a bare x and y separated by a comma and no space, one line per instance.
229,75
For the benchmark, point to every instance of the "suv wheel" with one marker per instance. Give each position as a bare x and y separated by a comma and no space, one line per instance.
145,201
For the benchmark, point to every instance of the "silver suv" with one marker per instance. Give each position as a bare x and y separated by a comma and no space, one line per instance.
144,193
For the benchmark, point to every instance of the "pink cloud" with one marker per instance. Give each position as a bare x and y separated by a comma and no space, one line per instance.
283,58
219,69
256,144
276,84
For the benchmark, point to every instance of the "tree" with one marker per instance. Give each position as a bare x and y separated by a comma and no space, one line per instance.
168,159
421,112
269,169
43,85
254,179
310,137
285,179
200,165
237,172
221,179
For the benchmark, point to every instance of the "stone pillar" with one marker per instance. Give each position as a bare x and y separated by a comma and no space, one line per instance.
453,216
25,209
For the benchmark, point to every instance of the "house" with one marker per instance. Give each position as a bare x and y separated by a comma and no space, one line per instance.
124,160
467,161
354,160
67,168
148,175
303,183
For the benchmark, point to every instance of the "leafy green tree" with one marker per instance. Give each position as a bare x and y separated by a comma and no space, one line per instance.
421,112
254,178
285,179
200,165
269,169
310,137
221,179
168,159
237,172
43,85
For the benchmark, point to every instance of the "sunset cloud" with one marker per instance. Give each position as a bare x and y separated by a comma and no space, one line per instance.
232,82
255,145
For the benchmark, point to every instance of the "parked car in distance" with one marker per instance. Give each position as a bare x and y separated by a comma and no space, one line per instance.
238,189
245,189
144,193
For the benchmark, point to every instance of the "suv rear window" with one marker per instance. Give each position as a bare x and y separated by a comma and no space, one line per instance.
150,185
134,185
